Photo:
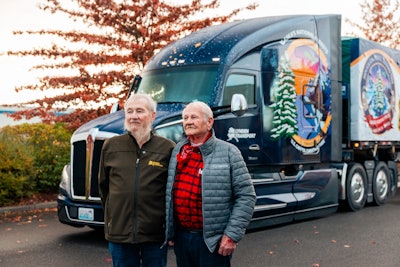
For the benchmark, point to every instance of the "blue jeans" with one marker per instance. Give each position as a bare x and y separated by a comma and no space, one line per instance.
136,255
191,251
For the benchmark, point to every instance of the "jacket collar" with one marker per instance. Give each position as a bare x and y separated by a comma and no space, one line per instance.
207,147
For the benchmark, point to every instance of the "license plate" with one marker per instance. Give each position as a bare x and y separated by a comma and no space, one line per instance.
86,214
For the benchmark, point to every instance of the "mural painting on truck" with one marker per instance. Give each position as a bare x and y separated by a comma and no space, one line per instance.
315,116
377,96
301,94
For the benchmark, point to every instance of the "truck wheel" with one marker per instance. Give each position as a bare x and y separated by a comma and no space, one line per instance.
380,183
356,187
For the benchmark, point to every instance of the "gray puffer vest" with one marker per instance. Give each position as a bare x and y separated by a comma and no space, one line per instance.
227,192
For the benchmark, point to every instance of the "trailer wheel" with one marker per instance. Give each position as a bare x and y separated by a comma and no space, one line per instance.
380,183
356,187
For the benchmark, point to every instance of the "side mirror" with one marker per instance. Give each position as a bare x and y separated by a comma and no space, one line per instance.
239,104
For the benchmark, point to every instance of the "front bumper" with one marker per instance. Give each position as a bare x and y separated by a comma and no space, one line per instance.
79,213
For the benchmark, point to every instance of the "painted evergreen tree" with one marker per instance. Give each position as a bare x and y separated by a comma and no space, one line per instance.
379,100
284,107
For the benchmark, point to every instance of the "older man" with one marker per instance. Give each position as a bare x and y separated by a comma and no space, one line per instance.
210,197
132,181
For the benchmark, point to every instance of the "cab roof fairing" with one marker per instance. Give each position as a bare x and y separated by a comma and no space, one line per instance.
279,29
228,42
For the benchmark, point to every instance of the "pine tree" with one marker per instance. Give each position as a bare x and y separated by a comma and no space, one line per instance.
284,108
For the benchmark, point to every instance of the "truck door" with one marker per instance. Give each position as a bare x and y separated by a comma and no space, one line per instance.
242,131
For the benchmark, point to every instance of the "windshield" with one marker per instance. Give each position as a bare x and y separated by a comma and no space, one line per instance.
180,84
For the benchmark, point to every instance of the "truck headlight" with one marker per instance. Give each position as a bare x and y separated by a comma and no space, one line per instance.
65,183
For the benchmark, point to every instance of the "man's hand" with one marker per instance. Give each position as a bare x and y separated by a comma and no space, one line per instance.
227,246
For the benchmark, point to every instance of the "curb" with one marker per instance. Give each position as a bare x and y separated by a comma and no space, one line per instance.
37,206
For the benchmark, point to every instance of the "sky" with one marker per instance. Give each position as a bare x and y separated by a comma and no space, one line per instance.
25,15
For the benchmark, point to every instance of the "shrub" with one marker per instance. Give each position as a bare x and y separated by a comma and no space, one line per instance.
16,168
43,148
51,147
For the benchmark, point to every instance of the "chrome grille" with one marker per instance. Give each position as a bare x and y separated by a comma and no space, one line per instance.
85,168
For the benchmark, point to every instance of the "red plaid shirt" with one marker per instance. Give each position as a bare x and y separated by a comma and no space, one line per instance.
187,188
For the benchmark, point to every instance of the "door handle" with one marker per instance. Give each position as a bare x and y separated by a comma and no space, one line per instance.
254,147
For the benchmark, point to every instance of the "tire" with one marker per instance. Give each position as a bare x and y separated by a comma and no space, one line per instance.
356,187
381,183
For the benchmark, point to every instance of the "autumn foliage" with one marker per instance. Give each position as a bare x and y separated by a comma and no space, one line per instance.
98,62
380,22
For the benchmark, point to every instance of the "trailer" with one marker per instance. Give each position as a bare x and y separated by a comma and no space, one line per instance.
315,116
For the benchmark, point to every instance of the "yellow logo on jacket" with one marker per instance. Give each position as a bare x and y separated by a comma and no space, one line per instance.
155,163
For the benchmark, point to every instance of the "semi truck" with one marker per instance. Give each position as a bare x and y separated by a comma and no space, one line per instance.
314,114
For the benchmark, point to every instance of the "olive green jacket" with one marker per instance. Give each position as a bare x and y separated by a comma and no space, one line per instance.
132,184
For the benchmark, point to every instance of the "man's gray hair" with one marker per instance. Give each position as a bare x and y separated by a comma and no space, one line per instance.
204,107
151,104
